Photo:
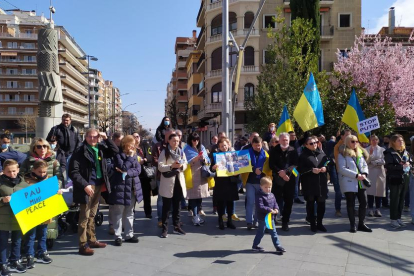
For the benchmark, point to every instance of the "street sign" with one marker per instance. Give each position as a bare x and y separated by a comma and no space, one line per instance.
368,124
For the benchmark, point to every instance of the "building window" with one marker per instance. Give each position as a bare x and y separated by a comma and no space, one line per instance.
345,20
12,45
181,93
268,21
216,93
11,110
344,53
11,71
248,91
216,58
28,110
28,84
248,19
11,84
249,56
217,23
233,56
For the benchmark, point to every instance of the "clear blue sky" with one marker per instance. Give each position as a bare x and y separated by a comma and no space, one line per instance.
134,41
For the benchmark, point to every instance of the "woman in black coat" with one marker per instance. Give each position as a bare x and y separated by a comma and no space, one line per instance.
125,190
312,169
225,189
160,132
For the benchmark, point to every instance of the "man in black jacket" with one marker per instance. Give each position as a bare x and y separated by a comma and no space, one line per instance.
66,135
89,173
282,160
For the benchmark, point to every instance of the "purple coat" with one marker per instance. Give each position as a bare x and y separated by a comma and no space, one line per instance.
121,190
264,204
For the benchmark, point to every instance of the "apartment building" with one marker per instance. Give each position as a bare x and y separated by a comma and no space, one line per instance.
340,23
113,106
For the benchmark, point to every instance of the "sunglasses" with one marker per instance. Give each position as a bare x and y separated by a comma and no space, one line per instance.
353,142
93,137
312,143
41,146
195,140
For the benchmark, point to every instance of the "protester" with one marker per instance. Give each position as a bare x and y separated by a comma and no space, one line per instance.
10,182
273,143
265,204
312,168
293,142
411,185
66,135
353,170
171,163
7,152
271,133
197,157
282,160
260,167
397,164
249,145
39,172
213,143
215,149
225,189
60,157
125,191
376,176
161,129
88,171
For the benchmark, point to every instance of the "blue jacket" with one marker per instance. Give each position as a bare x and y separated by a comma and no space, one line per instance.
264,204
10,153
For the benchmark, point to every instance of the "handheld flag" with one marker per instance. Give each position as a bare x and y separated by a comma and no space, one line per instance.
309,112
268,221
353,114
295,172
285,125
326,163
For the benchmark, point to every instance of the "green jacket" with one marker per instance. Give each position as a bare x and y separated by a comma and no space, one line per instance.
8,221
52,169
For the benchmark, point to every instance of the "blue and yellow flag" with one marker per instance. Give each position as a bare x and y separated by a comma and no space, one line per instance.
353,114
268,221
285,125
309,112
295,172
37,203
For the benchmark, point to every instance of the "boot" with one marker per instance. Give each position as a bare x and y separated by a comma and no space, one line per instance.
221,223
230,223
320,226
313,225
363,227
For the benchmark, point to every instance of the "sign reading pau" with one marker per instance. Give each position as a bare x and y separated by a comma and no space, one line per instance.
37,203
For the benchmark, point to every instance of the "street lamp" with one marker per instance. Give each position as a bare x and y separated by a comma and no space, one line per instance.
123,109
89,58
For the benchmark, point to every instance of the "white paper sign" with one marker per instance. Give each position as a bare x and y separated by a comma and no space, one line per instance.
368,124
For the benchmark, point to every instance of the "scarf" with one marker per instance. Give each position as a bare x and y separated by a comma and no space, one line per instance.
38,178
257,160
176,154
14,181
95,152
191,153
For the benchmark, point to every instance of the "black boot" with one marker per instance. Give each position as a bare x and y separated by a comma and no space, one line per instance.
313,225
230,223
221,223
364,228
320,226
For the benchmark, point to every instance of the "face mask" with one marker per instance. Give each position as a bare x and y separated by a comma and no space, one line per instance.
15,181
166,123
284,147
53,146
5,146
272,129
39,178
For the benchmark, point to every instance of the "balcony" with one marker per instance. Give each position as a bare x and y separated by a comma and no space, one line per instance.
21,35
214,108
73,83
214,73
218,3
250,69
200,63
201,14
19,88
181,64
181,75
201,89
74,95
181,86
78,118
184,53
182,99
24,102
26,62
202,115
74,106
73,72
327,32
322,3
201,39
19,75
72,59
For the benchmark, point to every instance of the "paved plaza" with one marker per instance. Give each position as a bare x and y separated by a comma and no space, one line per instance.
206,250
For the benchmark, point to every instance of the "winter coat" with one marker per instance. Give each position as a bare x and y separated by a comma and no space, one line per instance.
160,133
313,184
264,204
266,171
80,168
225,188
376,170
167,183
53,166
10,153
268,136
348,171
8,221
283,160
395,171
68,139
122,191
199,184
157,148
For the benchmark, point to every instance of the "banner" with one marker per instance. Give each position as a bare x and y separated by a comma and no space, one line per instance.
37,203
233,163
369,124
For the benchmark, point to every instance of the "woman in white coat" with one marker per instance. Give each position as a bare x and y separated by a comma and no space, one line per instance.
352,171
376,176
171,163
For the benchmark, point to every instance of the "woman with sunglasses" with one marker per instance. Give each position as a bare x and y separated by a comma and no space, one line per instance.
40,149
312,169
352,171
273,143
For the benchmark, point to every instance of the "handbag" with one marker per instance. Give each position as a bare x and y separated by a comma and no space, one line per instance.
366,182
148,171
172,173
206,172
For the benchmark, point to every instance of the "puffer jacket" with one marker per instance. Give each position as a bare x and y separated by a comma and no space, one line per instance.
348,171
122,191
264,204
8,221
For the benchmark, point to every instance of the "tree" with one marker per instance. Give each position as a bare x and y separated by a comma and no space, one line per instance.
145,134
172,112
27,122
130,124
385,70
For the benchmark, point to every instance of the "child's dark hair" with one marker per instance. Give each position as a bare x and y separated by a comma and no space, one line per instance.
10,162
39,163
257,140
265,180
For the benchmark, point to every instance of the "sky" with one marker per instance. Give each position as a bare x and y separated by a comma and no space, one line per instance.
134,40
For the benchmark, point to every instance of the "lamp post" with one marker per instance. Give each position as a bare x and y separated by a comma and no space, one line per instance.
89,58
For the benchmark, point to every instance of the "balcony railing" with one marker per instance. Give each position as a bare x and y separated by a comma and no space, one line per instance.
214,107
18,87
327,31
21,35
214,4
201,59
18,60
200,35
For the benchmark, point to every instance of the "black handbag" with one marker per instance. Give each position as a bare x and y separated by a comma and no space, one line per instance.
172,173
148,171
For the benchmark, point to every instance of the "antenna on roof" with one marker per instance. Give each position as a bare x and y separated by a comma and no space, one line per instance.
52,10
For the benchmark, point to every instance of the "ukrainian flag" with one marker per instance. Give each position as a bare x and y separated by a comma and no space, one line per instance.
309,112
285,125
353,114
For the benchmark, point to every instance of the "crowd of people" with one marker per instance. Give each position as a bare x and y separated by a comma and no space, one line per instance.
125,170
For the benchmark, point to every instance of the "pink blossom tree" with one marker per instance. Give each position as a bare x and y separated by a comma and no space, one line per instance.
384,68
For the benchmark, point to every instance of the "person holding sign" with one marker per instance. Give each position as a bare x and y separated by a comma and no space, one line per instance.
266,204
89,173
10,182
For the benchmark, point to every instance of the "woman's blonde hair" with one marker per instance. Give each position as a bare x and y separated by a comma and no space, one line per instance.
34,143
126,141
394,139
346,150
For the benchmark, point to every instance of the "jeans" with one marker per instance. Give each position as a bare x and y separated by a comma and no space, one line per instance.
251,190
350,205
39,232
296,194
159,203
195,205
412,195
334,179
123,216
397,194
260,233
16,238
